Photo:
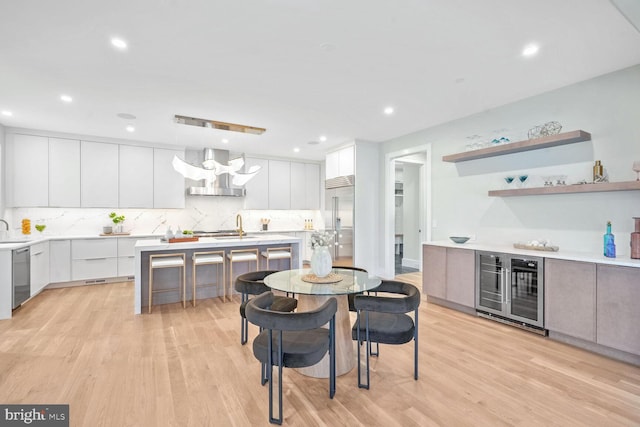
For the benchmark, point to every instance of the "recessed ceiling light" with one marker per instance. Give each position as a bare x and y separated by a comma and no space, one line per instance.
296,150
119,43
130,128
323,138
66,98
225,141
7,113
388,111
530,50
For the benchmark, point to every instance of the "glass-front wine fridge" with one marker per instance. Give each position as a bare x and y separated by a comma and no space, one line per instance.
510,288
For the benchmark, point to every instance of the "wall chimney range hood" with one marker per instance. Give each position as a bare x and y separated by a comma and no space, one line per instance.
221,176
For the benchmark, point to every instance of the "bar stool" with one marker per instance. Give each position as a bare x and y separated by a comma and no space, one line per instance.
277,253
175,260
241,255
208,258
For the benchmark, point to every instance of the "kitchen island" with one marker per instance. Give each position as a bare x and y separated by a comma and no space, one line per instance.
145,248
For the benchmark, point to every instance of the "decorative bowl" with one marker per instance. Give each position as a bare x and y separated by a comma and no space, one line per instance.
459,239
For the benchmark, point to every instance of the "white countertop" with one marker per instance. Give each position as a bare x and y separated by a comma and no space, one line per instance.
23,241
209,242
566,255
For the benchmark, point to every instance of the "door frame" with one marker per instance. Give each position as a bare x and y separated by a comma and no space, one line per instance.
389,203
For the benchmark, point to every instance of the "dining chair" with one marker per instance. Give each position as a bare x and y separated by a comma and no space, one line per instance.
252,283
384,320
292,340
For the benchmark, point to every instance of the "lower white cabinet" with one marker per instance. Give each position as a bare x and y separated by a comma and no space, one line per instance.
94,258
39,267
126,255
59,261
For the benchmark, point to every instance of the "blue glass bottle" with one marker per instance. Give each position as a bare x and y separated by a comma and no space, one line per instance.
609,243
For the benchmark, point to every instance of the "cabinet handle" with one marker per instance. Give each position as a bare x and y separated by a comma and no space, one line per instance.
507,294
37,253
95,259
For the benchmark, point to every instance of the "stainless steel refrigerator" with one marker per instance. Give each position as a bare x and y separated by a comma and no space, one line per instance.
339,217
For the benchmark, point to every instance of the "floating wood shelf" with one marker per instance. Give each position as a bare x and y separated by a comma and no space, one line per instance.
565,189
520,146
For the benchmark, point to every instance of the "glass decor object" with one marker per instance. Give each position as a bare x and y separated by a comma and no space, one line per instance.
636,169
609,242
509,180
321,262
523,179
26,226
40,228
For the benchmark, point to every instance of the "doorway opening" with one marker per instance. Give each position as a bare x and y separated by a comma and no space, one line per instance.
408,196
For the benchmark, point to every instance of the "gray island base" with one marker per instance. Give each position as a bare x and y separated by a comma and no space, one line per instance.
170,277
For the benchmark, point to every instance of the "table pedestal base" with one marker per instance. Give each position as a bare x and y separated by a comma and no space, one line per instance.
344,344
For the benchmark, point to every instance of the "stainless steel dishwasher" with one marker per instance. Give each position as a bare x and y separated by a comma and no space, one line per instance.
21,276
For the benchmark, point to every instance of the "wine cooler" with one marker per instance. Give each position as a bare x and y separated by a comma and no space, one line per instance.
510,288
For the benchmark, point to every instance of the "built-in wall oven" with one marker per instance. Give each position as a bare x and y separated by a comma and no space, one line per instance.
510,288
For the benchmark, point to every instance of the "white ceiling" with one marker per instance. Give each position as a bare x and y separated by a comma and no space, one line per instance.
299,68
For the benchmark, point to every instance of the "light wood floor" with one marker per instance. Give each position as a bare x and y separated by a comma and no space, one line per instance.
176,367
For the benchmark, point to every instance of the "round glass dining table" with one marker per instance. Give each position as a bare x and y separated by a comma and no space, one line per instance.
311,295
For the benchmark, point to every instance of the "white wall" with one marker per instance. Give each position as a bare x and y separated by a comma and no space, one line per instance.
412,250
608,107
2,180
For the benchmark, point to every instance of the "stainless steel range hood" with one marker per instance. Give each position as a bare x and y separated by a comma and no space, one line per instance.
221,185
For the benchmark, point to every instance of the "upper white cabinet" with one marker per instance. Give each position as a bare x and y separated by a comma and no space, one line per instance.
99,174
135,177
258,187
27,171
340,163
305,186
64,172
168,185
279,184
283,185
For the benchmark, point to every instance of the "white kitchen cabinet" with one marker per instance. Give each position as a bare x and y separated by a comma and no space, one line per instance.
340,163
27,171
332,165
59,261
64,173
94,258
99,174
279,184
168,185
312,185
305,186
135,170
298,186
258,187
39,266
126,255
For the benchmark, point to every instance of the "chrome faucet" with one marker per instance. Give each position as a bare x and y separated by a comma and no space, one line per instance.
6,224
239,224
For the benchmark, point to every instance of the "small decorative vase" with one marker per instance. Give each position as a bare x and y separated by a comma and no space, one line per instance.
321,263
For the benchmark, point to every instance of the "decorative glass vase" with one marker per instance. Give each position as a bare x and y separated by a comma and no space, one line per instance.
321,262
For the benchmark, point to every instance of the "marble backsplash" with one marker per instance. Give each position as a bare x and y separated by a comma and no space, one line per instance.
200,213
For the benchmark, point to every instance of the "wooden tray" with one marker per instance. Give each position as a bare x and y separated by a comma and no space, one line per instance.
536,248
182,239
329,278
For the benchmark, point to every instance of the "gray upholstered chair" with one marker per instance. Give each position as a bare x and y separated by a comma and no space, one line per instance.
252,283
292,340
384,319
350,296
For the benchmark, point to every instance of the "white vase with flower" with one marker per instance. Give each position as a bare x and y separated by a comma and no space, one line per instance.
321,262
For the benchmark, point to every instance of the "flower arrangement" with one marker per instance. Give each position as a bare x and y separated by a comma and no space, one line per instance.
117,219
322,238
